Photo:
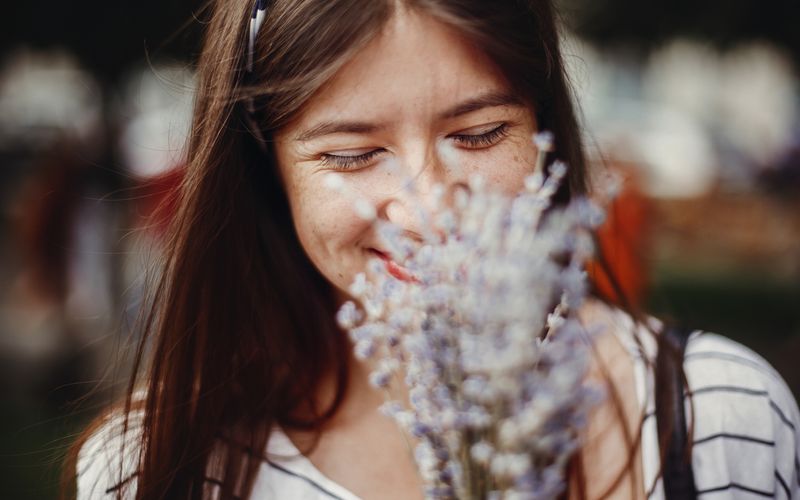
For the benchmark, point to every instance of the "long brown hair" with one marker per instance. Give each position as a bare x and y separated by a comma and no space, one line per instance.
240,333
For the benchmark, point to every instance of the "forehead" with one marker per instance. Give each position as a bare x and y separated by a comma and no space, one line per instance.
413,69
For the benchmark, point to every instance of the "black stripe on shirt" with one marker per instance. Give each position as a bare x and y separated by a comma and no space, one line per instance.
751,392
304,478
741,390
729,388
783,484
797,468
736,486
739,437
780,413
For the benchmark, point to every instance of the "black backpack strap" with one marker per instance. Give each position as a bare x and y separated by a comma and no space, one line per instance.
678,476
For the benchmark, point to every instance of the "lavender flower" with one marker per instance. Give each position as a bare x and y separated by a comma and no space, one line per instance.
485,336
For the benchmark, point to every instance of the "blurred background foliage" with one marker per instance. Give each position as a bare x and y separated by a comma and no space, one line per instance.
696,103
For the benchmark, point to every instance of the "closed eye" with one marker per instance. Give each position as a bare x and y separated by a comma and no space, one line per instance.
473,141
481,140
340,162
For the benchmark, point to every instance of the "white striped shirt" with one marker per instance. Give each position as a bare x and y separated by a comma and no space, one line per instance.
745,437
745,441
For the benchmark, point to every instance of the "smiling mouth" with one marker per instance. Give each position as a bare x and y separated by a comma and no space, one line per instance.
393,268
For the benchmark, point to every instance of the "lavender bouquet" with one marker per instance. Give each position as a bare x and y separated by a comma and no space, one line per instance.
485,336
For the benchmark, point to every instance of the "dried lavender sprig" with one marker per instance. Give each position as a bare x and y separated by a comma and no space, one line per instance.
495,409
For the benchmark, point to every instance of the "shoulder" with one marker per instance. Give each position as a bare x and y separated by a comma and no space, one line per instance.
728,373
745,420
713,358
107,460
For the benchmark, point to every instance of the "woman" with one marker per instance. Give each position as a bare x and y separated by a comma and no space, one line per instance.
246,365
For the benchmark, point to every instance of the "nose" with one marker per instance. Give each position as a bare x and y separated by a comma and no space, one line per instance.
428,186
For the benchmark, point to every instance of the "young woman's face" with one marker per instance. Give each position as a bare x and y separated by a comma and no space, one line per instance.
416,90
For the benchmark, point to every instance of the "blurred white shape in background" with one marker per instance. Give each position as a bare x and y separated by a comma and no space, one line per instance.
745,98
681,159
690,117
156,114
684,75
44,95
627,125
758,100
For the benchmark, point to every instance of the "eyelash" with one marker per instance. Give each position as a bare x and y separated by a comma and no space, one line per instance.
350,162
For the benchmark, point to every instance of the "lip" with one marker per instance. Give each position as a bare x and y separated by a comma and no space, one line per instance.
393,267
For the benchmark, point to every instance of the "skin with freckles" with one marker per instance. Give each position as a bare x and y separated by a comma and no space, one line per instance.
385,117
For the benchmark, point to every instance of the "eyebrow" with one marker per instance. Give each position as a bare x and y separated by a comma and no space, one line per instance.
485,100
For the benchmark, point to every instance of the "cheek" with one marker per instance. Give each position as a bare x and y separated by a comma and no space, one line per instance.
505,166
319,214
327,227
